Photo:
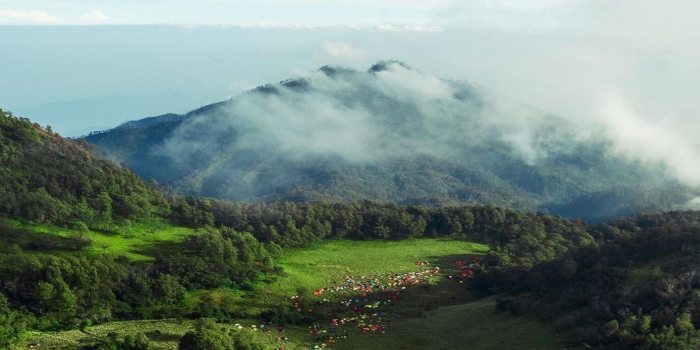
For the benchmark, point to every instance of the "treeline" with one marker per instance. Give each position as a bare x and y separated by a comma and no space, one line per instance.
48,179
637,288
300,224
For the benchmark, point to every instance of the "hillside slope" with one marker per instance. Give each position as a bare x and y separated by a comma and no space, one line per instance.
48,179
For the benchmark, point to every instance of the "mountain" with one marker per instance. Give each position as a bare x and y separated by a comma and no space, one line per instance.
390,133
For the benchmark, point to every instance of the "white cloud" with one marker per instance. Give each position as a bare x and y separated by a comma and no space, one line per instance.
652,140
96,16
394,28
302,26
343,51
506,13
27,17
373,4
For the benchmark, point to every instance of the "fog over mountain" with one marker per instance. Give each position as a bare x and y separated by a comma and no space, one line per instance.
395,133
393,112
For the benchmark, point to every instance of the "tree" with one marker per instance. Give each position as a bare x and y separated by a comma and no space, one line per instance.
206,336
168,289
81,228
10,325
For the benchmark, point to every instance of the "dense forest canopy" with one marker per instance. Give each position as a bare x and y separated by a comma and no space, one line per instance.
636,288
46,178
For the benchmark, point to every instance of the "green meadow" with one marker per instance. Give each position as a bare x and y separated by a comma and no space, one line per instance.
320,265
441,314
140,242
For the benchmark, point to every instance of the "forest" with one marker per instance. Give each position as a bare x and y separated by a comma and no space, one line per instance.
626,283
637,288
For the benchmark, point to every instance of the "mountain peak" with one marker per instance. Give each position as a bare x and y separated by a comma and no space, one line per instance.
333,70
383,65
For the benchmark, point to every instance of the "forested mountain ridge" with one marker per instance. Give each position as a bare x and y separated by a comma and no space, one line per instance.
389,134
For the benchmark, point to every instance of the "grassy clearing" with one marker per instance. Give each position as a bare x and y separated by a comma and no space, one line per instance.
138,243
440,314
320,265
163,334
141,244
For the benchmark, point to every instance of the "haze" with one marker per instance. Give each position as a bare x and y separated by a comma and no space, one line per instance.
629,67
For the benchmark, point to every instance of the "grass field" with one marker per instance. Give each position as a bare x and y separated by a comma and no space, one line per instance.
162,334
440,314
138,243
320,265
141,244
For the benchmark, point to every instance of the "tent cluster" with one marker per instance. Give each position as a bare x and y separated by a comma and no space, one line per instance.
366,312
369,296
393,280
465,269
255,327
326,335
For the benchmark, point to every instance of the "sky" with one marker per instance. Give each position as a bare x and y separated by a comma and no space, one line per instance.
631,66
220,12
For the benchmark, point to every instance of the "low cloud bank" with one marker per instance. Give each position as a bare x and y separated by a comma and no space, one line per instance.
393,111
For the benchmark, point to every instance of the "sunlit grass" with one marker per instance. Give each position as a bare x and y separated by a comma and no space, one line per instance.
141,242
438,315
330,261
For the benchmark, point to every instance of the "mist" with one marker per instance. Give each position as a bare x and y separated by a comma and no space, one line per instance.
390,112
624,73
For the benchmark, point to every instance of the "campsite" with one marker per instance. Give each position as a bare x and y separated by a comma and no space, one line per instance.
396,314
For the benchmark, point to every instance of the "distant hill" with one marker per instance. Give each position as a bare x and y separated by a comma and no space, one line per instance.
390,133
49,179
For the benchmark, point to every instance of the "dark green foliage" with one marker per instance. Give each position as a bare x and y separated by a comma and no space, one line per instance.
129,342
11,324
207,336
49,179
300,224
637,287
214,259
57,292
210,336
